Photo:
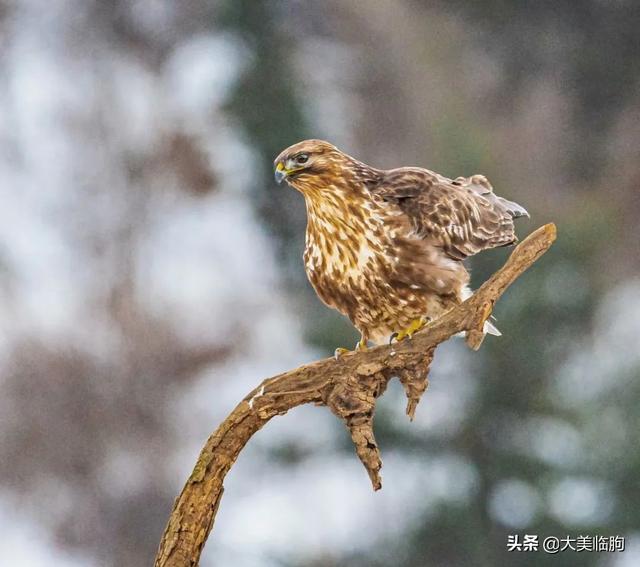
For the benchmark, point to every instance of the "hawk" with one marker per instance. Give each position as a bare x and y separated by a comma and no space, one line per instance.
386,247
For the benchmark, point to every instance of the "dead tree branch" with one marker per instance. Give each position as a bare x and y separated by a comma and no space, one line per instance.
349,386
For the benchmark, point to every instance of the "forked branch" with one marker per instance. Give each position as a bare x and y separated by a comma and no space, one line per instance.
349,386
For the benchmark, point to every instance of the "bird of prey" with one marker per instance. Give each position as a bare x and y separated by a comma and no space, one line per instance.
385,247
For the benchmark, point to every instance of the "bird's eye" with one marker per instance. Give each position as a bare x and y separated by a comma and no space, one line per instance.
302,159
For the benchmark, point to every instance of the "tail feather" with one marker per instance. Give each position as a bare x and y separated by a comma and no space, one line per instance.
491,329
515,210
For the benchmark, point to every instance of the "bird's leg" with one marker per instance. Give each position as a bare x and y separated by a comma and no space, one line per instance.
360,346
413,328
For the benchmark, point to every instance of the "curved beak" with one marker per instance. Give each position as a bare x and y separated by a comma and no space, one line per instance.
280,173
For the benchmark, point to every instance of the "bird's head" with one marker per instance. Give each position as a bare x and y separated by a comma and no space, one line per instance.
306,162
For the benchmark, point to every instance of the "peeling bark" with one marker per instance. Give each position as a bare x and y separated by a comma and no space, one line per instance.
349,386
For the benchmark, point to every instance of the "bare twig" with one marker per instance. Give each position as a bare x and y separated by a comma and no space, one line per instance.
349,386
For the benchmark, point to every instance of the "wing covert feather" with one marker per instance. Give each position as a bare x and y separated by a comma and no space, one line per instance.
463,216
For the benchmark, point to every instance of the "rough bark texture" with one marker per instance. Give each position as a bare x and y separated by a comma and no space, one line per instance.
349,386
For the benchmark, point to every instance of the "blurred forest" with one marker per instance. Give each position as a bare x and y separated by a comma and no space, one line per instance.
151,274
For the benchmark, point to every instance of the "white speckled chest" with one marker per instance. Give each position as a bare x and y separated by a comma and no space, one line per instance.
351,261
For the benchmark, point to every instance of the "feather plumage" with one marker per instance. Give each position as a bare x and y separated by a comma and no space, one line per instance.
386,247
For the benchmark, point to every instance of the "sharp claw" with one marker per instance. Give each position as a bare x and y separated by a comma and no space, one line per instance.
339,352
408,333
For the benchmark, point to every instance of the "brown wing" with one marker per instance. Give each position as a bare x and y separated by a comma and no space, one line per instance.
463,216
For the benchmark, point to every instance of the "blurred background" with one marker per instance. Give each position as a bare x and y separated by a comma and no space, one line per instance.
151,275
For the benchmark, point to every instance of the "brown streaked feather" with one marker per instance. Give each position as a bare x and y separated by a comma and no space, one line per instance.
386,247
463,216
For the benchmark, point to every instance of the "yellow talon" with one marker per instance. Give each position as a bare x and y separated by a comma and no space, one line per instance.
339,352
413,328
360,346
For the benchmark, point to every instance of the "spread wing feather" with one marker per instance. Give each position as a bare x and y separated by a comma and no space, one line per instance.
463,216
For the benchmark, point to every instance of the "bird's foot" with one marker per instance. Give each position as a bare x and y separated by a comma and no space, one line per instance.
360,345
413,328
